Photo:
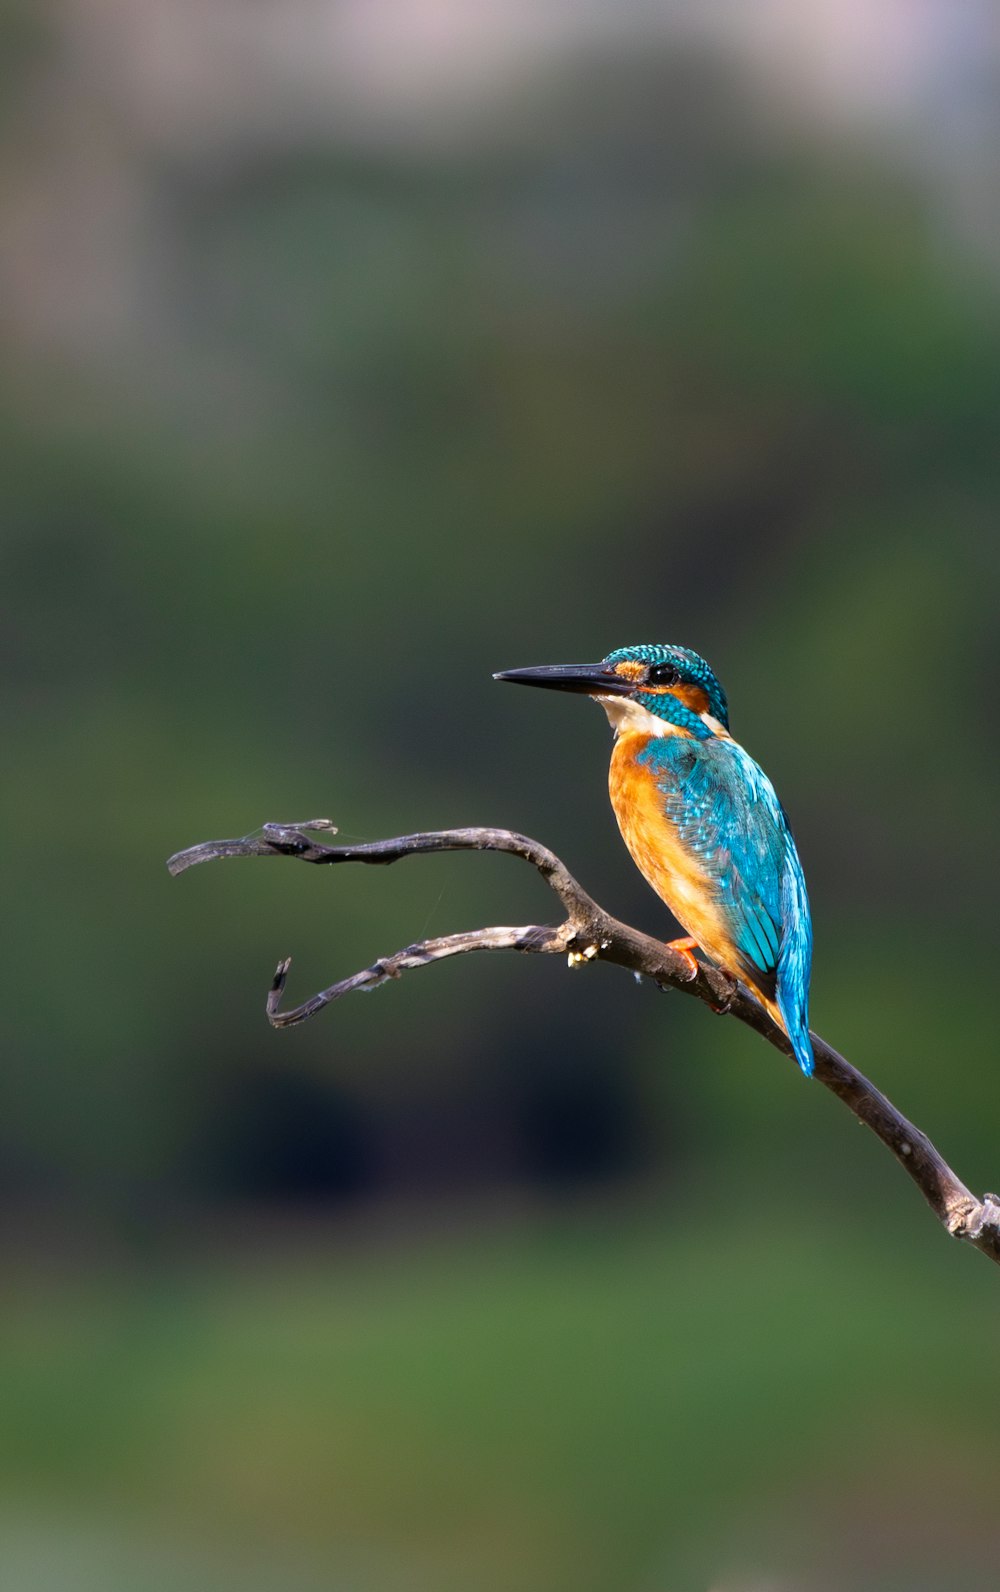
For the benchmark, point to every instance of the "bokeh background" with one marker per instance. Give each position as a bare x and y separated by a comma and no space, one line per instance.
350,352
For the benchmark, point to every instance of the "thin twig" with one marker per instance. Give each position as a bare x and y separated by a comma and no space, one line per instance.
588,933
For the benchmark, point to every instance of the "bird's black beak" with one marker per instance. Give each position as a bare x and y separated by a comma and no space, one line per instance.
593,679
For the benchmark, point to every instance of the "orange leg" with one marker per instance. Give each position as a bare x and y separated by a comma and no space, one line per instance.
684,946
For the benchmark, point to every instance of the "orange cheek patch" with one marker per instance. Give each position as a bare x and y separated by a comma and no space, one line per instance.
629,670
693,697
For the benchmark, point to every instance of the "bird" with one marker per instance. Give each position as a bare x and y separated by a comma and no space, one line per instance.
702,822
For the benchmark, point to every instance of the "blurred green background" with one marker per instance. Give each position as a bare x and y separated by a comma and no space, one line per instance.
352,352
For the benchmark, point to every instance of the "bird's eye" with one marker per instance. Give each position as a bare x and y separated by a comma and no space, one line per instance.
662,674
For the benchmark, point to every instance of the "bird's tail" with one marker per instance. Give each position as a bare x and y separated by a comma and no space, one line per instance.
795,1022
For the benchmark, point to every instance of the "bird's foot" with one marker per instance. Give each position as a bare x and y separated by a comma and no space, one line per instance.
684,946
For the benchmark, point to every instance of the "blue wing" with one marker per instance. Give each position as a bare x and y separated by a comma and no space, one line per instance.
726,812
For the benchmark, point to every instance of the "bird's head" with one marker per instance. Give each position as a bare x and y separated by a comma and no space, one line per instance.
655,689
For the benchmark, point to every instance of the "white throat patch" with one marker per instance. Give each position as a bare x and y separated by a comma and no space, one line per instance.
627,716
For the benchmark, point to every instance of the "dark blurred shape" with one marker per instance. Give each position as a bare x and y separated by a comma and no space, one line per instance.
281,1138
576,1128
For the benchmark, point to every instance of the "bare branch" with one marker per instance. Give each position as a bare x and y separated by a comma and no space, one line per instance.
588,933
423,952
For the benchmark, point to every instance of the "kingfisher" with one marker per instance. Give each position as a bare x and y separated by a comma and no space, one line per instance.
702,822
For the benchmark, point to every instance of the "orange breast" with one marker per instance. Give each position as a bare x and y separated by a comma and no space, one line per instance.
678,878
